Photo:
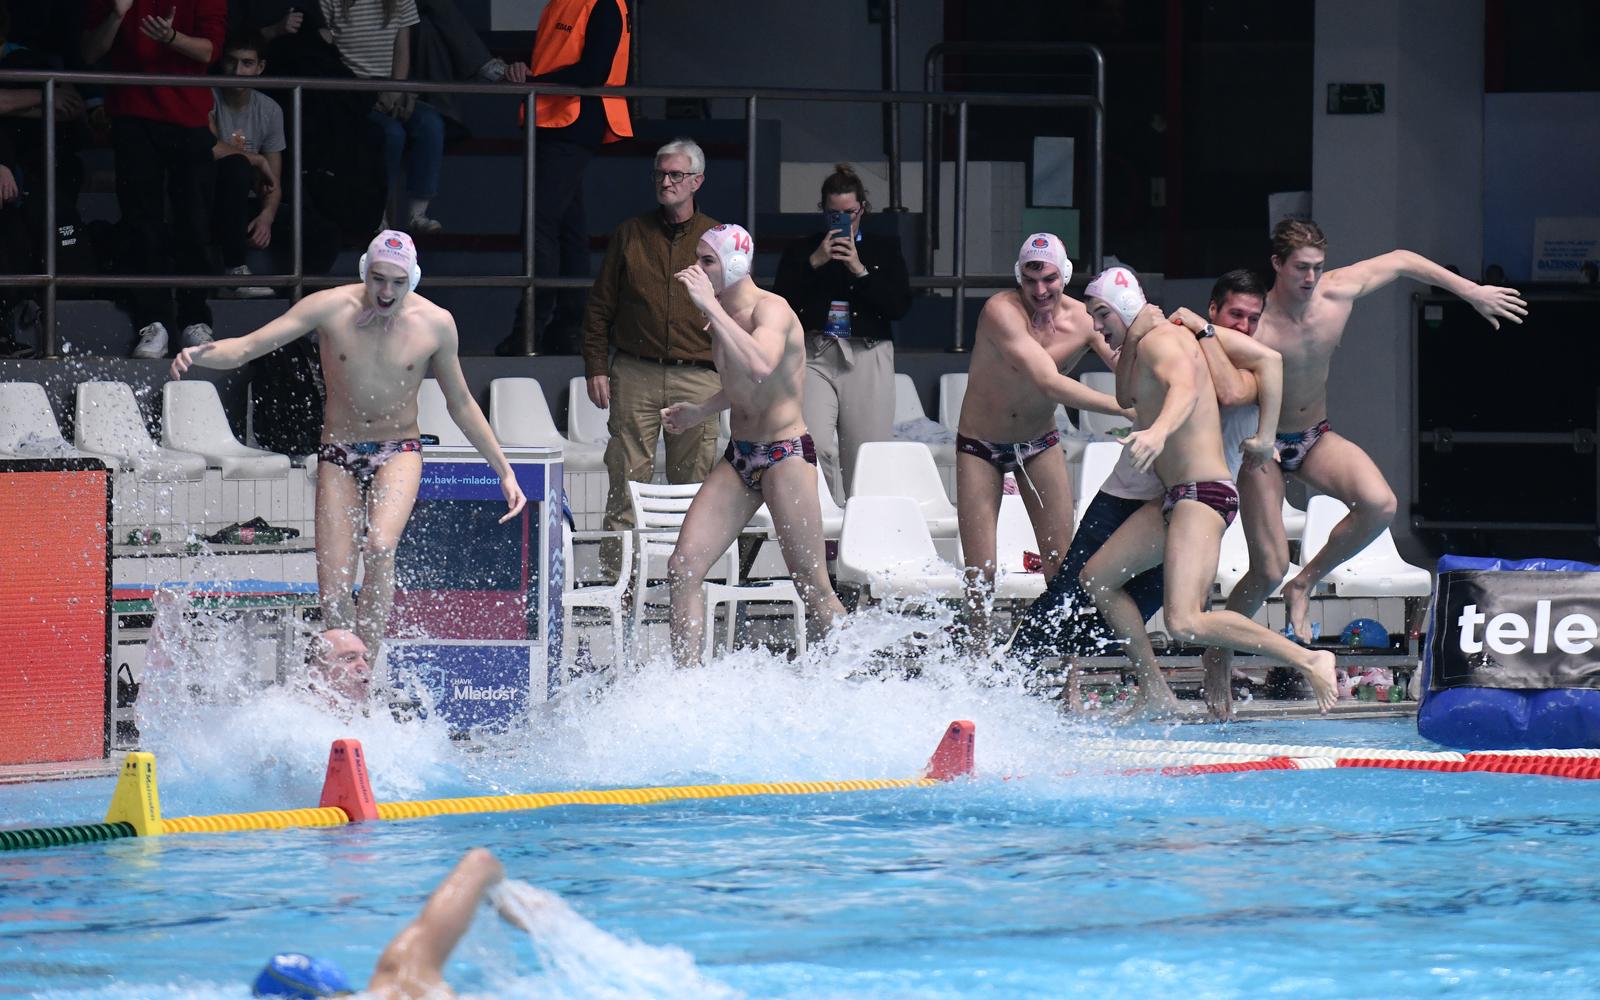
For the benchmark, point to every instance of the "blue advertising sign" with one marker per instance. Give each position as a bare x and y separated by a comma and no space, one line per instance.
477,481
473,685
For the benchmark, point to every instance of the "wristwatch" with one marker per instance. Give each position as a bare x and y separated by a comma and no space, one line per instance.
1209,331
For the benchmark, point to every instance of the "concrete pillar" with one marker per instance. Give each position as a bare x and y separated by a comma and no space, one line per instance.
1409,178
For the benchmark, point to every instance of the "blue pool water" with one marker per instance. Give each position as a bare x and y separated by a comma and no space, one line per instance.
1021,883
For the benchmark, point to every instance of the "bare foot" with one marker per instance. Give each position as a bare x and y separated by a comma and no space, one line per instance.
1320,671
1297,606
1218,687
1147,706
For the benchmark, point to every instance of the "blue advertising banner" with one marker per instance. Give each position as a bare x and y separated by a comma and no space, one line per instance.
477,481
472,685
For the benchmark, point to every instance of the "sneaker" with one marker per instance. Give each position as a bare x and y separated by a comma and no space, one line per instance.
152,342
243,291
423,224
196,334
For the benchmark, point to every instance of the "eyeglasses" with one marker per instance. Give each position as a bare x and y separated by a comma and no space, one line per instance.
672,176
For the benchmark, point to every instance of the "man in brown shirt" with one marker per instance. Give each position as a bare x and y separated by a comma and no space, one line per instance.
662,350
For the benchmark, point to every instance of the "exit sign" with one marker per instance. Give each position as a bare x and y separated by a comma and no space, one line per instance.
1355,98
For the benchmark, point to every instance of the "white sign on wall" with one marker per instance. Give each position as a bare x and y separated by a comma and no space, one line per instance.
1561,245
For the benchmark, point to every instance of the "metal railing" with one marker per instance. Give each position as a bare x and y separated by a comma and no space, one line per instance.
298,280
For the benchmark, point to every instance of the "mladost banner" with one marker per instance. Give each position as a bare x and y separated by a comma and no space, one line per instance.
1516,630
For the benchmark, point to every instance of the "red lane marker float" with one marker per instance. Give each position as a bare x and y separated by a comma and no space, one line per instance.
346,785
953,757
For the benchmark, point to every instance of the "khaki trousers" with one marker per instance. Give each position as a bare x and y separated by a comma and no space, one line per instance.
640,390
849,400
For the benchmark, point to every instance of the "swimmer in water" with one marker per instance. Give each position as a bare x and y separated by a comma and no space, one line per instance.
1161,371
377,342
1304,321
1026,338
412,965
759,349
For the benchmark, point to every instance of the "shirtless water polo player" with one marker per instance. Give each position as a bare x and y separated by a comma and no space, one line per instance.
1304,321
377,342
1027,337
759,348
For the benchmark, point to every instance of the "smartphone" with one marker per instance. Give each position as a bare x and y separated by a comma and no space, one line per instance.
839,222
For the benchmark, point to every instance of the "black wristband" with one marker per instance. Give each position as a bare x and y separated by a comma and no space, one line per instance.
1209,331
172,37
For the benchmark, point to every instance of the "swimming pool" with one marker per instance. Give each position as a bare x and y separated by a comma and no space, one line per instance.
1021,883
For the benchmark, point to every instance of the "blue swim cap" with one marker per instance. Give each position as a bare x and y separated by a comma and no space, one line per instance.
291,974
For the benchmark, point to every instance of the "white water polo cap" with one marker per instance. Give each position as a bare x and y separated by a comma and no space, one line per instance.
734,248
1118,287
1046,247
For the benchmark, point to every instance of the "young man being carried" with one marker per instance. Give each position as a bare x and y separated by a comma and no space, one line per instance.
759,349
1063,621
1161,371
1026,338
1304,321
377,343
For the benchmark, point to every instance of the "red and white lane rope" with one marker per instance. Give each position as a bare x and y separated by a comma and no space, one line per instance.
1185,757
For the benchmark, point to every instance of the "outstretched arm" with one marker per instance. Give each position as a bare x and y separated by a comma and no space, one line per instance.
414,960
231,352
1004,327
464,410
1365,277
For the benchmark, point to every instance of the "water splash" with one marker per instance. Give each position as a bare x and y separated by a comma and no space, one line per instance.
581,960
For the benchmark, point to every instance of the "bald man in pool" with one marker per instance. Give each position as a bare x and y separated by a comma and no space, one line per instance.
412,965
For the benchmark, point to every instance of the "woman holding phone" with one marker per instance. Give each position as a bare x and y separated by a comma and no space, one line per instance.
846,289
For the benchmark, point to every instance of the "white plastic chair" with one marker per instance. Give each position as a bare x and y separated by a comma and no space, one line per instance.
658,513
602,597
952,392
886,550
520,416
433,416
1375,571
759,592
905,469
28,427
1101,423
1099,458
107,421
1233,562
192,419
907,404
1014,536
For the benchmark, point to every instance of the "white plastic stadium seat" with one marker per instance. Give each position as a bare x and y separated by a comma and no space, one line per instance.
107,421
952,392
605,597
911,423
1099,458
28,427
1101,423
761,592
520,418
433,416
885,549
192,419
905,469
1233,561
1375,571
1014,536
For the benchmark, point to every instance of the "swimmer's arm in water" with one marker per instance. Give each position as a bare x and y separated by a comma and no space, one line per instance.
464,410
231,352
680,417
413,962
1004,326
1365,277
1173,368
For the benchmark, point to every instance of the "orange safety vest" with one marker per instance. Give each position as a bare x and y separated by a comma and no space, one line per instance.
557,44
